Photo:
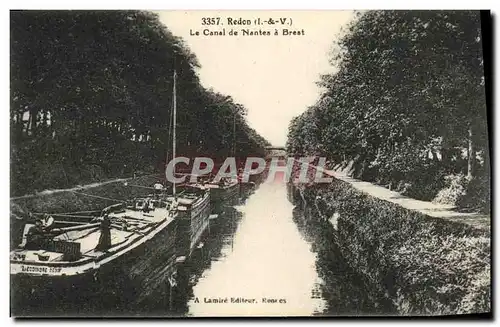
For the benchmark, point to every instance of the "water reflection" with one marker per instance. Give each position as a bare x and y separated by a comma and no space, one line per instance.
269,248
261,246
262,255
343,290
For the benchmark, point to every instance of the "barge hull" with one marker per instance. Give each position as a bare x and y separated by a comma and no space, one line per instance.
129,283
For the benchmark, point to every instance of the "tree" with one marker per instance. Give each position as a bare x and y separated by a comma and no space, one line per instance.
406,99
91,98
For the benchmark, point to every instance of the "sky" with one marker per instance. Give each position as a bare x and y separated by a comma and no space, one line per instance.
274,77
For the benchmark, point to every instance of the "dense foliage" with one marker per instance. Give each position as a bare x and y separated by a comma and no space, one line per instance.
424,265
91,98
406,105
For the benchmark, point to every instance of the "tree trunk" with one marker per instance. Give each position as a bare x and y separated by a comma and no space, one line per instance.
33,117
471,153
28,123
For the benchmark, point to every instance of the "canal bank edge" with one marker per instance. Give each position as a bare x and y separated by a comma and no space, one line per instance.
424,265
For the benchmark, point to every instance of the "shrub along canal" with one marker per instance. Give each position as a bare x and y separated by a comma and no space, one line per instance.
318,250
267,256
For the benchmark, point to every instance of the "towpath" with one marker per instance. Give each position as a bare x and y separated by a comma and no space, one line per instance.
448,212
78,187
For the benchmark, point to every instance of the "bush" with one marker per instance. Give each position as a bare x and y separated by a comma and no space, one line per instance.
477,195
456,188
466,194
424,265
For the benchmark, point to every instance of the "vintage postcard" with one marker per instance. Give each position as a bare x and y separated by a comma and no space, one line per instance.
249,163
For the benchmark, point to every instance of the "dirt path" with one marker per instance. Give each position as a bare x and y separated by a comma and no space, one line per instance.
447,212
78,187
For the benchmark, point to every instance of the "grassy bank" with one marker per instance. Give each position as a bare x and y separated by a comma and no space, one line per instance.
424,265
96,198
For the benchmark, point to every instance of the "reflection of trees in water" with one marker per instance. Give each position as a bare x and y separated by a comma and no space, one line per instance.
221,233
112,294
101,294
343,290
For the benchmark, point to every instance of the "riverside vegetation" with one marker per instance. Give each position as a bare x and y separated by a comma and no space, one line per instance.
406,105
91,99
423,265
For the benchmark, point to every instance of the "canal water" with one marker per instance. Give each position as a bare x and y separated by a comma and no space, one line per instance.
265,261
266,256
262,256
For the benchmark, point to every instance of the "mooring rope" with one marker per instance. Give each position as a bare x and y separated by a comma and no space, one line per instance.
70,216
97,196
65,213
148,187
